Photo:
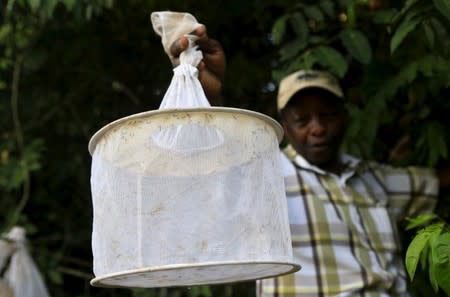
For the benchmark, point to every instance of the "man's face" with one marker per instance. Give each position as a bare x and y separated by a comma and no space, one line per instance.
314,122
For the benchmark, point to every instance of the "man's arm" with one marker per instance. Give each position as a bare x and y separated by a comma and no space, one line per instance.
403,149
212,67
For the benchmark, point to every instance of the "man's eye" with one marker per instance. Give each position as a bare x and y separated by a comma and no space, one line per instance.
301,121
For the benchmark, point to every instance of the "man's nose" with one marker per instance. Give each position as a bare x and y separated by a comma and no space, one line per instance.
318,127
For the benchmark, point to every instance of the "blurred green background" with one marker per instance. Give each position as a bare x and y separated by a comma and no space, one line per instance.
68,67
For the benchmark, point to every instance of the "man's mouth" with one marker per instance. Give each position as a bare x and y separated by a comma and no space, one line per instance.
320,146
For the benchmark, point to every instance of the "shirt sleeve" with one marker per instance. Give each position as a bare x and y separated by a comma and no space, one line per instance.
412,190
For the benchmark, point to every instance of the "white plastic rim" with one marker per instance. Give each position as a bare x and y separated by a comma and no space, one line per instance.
190,274
228,110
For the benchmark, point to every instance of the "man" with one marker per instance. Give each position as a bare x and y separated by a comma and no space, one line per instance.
343,211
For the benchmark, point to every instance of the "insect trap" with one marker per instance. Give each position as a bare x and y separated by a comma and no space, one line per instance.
188,194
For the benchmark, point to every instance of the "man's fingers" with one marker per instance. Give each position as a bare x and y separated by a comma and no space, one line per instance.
201,66
200,31
178,46
206,44
182,43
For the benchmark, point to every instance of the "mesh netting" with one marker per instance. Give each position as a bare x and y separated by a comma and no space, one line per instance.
156,207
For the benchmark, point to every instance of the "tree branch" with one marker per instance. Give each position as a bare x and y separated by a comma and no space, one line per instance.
19,138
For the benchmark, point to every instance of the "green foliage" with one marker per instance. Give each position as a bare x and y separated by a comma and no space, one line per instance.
279,29
431,249
328,56
402,31
14,170
443,6
309,38
45,9
357,45
68,67
420,221
419,242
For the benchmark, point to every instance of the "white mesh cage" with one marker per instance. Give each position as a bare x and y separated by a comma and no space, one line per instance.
217,214
188,194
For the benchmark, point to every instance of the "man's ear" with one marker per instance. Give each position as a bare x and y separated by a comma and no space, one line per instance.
284,124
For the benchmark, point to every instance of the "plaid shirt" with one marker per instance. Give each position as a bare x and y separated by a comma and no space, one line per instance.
344,232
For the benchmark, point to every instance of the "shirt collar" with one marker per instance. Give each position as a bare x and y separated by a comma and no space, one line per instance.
351,163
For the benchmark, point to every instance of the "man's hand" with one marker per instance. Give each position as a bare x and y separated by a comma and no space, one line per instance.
211,68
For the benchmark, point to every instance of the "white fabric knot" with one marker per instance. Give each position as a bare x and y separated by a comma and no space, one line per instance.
185,70
191,55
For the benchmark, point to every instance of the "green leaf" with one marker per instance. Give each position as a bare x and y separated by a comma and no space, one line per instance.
407,74
328,56
441,248
49,7
357,44
432,272
442,277
70,4
109,3
402,31
345,3
89,11
5,31
355,124
420,221
351,13
417,245
409,4
441,261
278,30
300,27
308,60
429,34
406,7
439,29
291,50
314,13
432,141
431,254
316,39
443,6
10,5
278,74
413,253
328,7
384,17
425,256
304,61
34,4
